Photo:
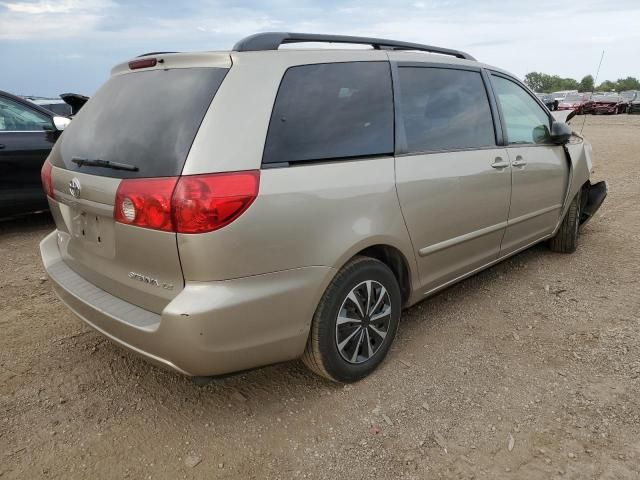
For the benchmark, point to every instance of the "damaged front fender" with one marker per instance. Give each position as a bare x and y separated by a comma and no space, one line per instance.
578,152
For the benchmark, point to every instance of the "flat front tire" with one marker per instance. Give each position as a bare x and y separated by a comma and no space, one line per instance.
566,238
355,322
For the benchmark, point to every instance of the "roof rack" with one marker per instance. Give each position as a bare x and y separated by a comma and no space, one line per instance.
272,40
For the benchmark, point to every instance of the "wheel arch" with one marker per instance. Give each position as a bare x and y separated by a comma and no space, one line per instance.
393,257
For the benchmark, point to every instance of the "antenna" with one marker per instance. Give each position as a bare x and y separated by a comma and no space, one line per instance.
595,82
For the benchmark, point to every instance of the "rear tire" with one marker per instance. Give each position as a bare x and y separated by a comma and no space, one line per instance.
566,238
355,322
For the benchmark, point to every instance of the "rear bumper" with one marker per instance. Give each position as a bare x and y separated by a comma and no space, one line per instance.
209,328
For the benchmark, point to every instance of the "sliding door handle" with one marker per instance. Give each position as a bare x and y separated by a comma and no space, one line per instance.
518,162
499,163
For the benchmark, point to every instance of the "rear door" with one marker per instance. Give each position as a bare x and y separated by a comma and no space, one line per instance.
539,168
146,120
453,181
26,138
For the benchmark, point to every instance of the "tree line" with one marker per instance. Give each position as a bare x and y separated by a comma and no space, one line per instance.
542,82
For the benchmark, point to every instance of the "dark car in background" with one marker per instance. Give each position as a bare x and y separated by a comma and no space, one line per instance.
67,105
580,103
75,101
634,104
548,100
55,105
609,103
632,99
27,134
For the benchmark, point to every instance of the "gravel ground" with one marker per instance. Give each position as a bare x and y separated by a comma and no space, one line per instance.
528,370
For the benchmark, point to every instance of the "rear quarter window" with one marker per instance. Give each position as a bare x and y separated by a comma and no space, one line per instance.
331,111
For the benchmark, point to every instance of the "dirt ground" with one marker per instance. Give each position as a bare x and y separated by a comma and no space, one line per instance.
530,369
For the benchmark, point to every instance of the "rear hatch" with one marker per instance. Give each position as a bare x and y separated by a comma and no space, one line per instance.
142,122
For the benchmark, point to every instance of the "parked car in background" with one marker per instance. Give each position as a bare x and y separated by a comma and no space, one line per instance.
629,96
75,101
55,105
548,99
67,105
634,105
290,203
27,134
609,103
561,94
581,103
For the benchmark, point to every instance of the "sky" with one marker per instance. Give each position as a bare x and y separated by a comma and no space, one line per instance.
48,47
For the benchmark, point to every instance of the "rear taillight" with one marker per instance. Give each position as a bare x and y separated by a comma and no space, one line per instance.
188,204
45,176
145,202
203,203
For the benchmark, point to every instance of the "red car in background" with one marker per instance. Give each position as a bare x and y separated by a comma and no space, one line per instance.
581,103
610,103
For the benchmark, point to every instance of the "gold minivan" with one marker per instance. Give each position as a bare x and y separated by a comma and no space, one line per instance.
221,211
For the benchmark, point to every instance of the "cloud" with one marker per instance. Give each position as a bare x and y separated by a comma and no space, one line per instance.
559,38
51,20
39,7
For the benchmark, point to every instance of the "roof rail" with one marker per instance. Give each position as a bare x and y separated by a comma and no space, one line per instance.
272,40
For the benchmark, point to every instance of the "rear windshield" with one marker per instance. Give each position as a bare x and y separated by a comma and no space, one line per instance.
144,119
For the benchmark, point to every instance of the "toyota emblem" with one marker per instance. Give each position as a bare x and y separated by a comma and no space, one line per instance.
74,187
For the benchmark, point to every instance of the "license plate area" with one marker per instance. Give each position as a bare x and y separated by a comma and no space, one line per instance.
93,231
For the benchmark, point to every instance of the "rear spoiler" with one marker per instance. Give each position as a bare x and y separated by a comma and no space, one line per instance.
74,100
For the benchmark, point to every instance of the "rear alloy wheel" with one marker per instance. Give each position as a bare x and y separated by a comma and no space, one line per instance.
355,322
363,322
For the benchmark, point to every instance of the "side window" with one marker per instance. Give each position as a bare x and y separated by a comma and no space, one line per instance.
525,120
444,109
334,110
15,117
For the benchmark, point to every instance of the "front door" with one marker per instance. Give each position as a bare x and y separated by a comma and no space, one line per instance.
539,168
453,182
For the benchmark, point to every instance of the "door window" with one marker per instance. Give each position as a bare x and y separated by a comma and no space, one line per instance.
15,117
526,121
444,109
332,111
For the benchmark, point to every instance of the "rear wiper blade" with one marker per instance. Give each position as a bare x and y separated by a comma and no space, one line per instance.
104,163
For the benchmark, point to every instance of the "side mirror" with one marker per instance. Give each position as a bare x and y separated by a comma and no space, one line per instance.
560,133
60,123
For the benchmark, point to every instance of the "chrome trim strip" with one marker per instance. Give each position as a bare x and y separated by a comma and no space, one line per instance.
529,216
460,239
483,267
484,231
